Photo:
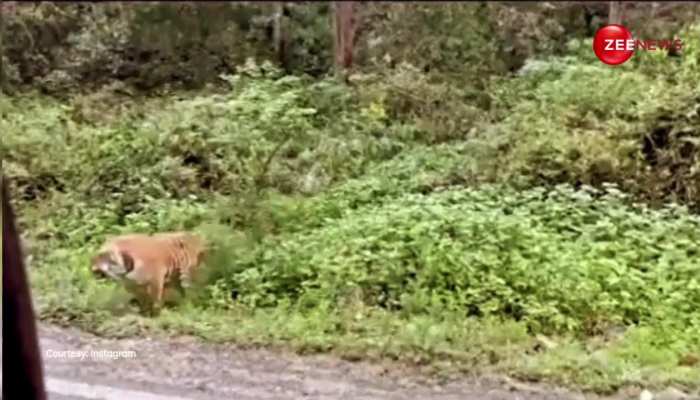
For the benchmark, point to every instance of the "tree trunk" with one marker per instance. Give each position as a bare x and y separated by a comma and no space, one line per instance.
615,12
281,35
344,34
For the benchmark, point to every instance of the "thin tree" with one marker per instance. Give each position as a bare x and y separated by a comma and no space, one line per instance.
615,12
344,16
281,34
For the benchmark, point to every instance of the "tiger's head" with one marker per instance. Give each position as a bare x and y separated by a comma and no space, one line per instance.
108,264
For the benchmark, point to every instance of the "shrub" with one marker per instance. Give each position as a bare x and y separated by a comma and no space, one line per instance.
565,121
559,260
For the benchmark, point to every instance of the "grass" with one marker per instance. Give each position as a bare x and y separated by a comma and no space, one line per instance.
614,286
442,344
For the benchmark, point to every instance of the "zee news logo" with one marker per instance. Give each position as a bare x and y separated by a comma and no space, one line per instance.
613,44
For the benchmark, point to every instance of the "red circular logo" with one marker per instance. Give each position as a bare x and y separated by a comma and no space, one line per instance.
613,44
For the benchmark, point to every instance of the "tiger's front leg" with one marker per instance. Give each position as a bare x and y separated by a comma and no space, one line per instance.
142,297
147,305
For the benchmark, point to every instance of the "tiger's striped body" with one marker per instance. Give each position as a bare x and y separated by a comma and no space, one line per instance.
148,263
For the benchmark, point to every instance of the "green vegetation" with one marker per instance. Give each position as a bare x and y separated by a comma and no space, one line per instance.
545,227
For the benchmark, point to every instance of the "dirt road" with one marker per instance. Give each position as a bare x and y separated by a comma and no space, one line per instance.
80,366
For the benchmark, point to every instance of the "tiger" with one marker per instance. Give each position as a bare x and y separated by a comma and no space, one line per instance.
146,264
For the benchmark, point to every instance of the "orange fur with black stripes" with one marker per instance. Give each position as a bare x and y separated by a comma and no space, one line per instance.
146,264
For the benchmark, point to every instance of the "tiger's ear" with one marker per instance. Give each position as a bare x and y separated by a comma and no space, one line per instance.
128,261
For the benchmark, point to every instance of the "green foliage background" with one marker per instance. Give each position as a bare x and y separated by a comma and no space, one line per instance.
541,222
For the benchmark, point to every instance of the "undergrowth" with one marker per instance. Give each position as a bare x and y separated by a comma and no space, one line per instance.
516,235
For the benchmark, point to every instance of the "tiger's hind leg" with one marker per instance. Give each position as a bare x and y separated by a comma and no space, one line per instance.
185,278
156,289
183,282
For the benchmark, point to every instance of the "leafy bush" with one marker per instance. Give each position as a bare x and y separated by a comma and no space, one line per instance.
62,46
299,141
559,260
565,121
437,111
